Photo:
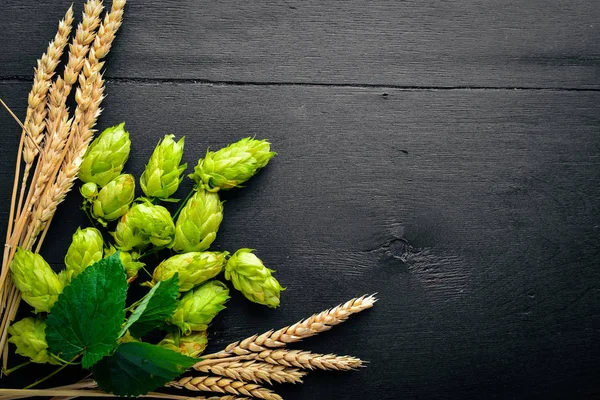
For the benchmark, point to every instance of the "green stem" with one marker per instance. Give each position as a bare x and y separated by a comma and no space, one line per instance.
87,213
50,375
183,203
146,271
13,369
149,253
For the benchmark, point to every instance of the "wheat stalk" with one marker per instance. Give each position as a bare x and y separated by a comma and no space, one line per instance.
253,371
224,385
317,323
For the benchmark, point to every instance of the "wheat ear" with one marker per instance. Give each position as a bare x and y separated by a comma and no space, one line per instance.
88,96
36,109
84,36
317,323
36,101
224,385
58,124
253,371
308,360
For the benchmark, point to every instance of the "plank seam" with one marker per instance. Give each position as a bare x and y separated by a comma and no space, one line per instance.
208,82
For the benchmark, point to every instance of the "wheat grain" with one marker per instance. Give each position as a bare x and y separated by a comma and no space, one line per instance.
317,323
253,371
224,385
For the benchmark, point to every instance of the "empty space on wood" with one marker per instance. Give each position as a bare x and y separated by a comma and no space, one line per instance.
540,44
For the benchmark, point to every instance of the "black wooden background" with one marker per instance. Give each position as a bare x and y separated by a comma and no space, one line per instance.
445,154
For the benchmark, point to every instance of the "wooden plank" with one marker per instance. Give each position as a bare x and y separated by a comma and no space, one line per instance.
473,213
474,43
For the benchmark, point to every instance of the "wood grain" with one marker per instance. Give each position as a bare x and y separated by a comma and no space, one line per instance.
469,43
474,213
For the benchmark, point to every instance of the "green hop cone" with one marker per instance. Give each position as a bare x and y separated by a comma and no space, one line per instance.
29,335
198,307
86,248
191,346
144,223
89,190
198,222
130,262
106,156
163,174
194,268
249,275
38,284
232,165
114,199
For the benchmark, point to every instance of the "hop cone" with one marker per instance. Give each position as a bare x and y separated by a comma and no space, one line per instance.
249,275
163,174
198,223
38,284
191,346
198,307
89,190
130,262
143,224
114,199
106,156
86,248
232,165
29,335
194,268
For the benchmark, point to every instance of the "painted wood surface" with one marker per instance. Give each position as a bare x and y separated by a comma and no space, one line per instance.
473,43
473,212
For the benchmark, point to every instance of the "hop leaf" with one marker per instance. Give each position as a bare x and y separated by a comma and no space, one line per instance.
29,336
143,224
198,223
198,307
249,275
191,346
232,165
38,283
136,368
88,315
193,268
86,248
114,199
106,156
163,174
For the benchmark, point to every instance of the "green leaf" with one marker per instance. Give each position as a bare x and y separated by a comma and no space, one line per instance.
159,307
139,310
136,368
87,317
